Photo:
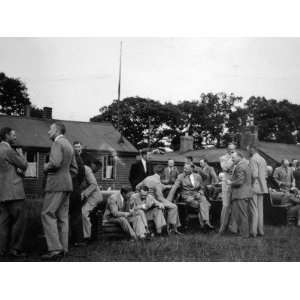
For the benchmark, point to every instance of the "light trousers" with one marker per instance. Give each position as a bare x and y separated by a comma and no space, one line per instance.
240,210
256,206
55,220
86,220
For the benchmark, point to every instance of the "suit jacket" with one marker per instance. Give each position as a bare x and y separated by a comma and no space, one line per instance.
169,177
296,175
155,186
283,176
211,176
61,165
183,181
241,187
115,207
137,173
259,174
11,184
91,191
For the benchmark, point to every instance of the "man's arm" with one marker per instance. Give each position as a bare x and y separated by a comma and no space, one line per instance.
139,185
16,159
240,177
276,176
74,167
92,183
55,158
174,188
113,208
214,176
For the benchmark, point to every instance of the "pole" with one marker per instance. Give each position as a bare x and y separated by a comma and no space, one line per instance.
119,95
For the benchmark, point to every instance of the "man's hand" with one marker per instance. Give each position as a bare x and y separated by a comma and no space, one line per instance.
20,151
229,182
160,205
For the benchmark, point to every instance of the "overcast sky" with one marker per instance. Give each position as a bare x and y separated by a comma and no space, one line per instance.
76,76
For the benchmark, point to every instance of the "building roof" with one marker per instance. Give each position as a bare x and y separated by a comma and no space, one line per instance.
33,132
279,151
276,151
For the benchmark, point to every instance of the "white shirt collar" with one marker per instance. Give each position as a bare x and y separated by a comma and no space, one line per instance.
58,137
6,143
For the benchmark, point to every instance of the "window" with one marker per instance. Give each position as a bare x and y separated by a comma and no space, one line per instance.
32,159
109,167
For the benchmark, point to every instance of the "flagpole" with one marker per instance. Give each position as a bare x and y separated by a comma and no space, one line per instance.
119,94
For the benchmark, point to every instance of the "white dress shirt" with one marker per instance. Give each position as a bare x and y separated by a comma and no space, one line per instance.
144,165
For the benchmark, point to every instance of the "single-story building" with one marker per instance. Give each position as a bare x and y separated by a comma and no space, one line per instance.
272,152
101,139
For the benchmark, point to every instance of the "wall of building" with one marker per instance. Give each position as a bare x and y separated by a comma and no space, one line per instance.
34,186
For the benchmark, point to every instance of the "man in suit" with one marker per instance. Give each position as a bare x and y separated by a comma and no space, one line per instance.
241,190
12,195
259,174
153,209
227,166
284,175
170,173
55,212
75,209
156,188
191,185
139,170
118,211
190,160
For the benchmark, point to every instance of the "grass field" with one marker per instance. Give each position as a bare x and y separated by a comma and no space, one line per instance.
279,244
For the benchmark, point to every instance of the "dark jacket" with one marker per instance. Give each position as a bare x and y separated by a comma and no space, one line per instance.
137,173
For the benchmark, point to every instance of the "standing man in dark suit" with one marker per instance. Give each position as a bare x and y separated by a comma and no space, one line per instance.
55,211
76,223
12,195
139,170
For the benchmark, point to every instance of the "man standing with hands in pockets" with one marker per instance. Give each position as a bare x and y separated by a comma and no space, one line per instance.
55,212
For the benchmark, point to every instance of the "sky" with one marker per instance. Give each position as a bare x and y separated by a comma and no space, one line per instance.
77,76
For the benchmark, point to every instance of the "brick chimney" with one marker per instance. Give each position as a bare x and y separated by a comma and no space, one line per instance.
186,143
47,112
249,136
27,110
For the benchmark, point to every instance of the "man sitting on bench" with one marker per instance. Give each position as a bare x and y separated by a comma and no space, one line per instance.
192,194
156,188
145,202
115,212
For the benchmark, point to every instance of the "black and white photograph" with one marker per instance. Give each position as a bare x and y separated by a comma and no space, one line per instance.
150,149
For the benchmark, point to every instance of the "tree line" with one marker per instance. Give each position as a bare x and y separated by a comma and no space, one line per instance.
213,119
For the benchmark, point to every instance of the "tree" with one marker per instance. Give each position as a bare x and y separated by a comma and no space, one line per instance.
143,121
13,95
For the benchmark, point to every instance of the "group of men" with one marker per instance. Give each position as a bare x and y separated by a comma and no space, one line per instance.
152,196
67,174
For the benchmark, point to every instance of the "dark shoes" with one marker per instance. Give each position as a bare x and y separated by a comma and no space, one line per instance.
17,253
53,255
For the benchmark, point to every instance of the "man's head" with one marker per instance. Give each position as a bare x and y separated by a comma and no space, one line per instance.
8,135
285,162
237,157
158,170
77,147
188,169
56,129
231,148
144,190
252,149
188,160
144,154
171,163
203,162
125,191
294,162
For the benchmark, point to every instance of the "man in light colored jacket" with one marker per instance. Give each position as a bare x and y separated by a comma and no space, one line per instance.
12,195
91,195
55,211
258,168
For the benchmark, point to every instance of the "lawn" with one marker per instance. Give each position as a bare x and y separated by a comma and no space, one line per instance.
279,244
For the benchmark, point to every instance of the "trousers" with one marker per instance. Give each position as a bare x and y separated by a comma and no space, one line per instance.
55,220
12,225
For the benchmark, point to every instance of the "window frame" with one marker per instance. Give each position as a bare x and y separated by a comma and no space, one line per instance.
37,164
104,167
